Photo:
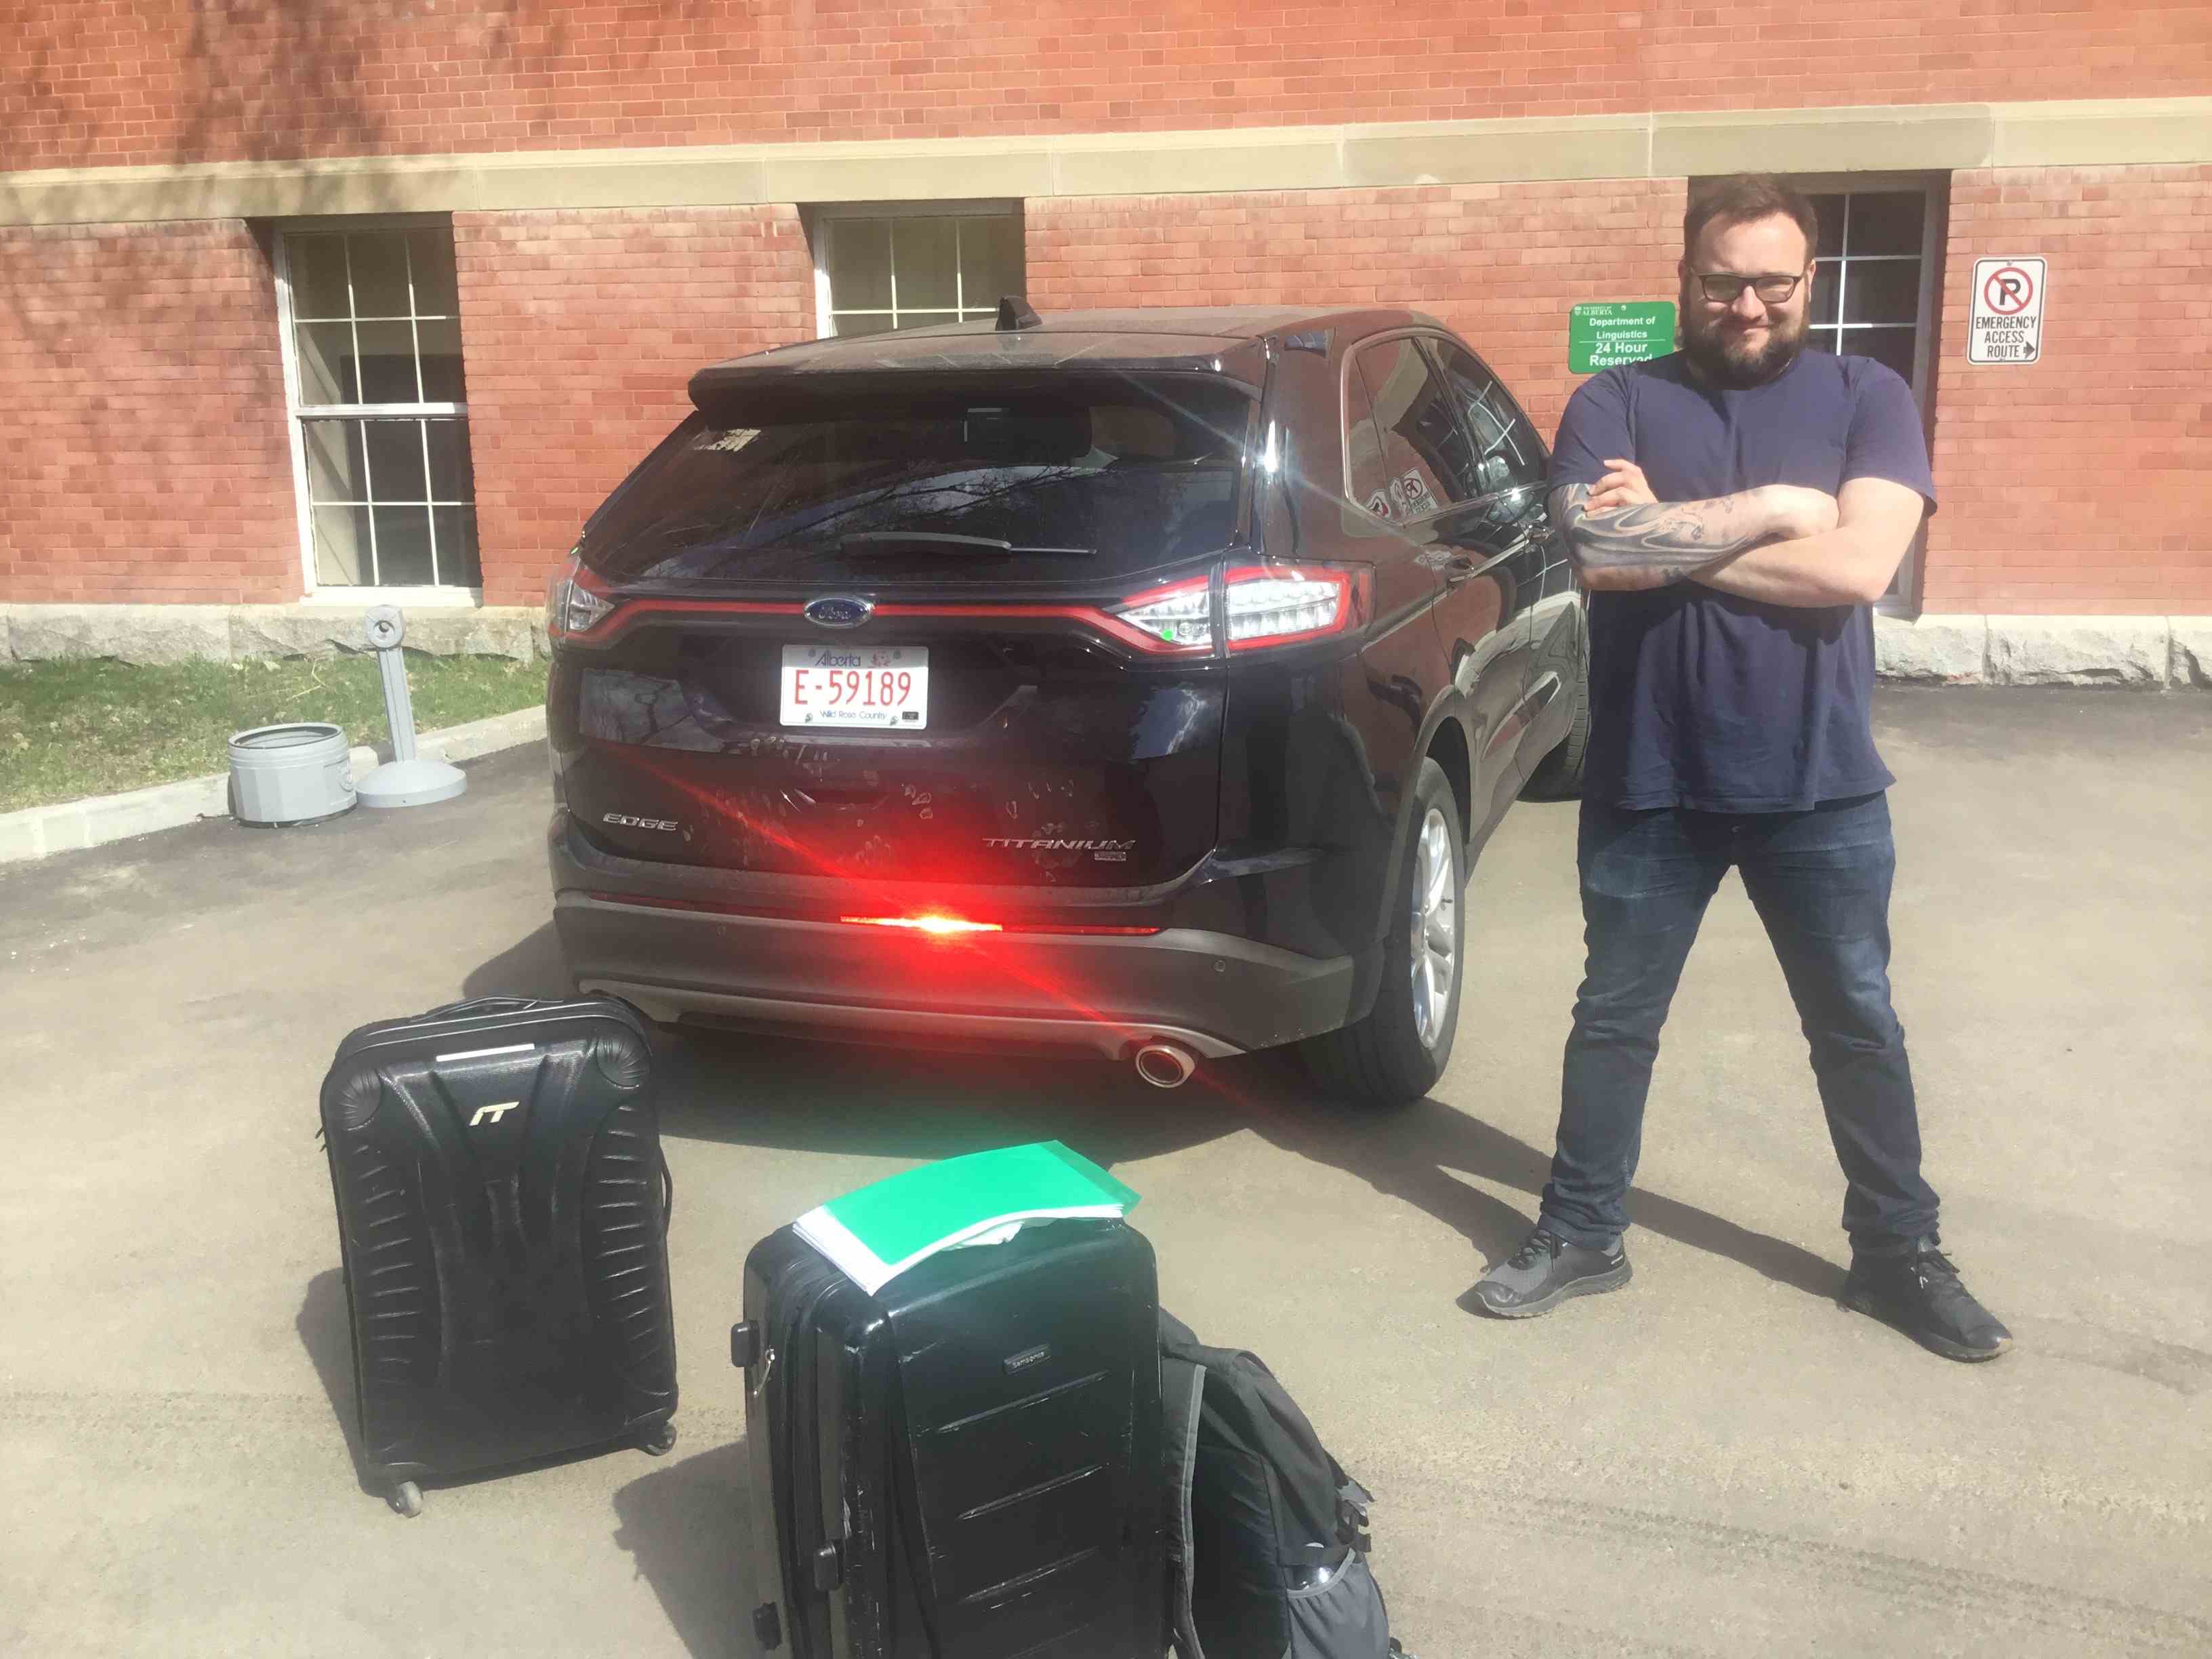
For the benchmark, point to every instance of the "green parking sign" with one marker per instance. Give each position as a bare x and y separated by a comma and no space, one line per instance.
1602,335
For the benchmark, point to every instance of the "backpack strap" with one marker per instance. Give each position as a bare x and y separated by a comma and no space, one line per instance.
1182,1393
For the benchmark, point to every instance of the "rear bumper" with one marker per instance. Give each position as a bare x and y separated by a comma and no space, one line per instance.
1216,993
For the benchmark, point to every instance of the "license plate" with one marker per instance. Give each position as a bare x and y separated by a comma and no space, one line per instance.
883,687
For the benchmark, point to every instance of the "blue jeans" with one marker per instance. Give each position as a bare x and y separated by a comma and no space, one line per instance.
1819,881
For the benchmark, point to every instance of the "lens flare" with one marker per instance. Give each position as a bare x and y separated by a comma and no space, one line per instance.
936,925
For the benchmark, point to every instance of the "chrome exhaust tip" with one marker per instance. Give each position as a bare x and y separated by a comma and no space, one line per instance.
1165,1065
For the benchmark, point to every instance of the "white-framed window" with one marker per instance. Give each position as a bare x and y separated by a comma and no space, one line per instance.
378,406
879,266
1877,291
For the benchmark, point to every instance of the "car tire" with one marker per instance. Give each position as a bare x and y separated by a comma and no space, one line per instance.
1558,775
1396,1054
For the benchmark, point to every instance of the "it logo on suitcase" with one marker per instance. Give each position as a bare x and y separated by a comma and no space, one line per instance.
494,1112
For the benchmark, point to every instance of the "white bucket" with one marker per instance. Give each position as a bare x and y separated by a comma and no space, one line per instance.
295,774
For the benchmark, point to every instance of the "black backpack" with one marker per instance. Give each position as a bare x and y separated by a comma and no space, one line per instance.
1267,1535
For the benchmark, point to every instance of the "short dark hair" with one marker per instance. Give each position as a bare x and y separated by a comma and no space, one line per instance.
1744,196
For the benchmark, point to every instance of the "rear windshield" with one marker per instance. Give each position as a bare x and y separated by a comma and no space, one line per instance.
954,486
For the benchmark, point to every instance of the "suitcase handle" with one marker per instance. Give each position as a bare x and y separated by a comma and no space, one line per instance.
469,1006
489,1005
481,1006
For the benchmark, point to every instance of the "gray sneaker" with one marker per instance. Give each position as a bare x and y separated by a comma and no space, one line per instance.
1545,1271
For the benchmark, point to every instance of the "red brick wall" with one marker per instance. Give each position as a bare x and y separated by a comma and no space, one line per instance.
1500,264
147,456
2081,483
158,466
169,81
579,332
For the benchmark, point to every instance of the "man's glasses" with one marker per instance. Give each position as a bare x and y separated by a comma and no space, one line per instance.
1723,289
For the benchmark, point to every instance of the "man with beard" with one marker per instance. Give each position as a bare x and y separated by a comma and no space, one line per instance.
1735,509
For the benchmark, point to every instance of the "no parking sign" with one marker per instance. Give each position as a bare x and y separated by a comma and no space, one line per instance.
2006,324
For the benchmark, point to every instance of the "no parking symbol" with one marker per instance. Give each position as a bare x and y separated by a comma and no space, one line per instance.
2005,326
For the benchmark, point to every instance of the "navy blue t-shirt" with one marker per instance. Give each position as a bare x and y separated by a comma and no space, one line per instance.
1699,698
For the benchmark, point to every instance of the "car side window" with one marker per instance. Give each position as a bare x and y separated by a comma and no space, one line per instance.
1422,462
1366,476
1508,455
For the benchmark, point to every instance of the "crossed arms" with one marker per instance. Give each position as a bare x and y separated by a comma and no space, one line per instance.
1779,543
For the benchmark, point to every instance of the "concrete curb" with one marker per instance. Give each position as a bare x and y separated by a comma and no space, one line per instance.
484,736
234,632
36,832
2142,654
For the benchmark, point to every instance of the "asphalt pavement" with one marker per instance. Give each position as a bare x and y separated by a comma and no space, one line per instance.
1718,1460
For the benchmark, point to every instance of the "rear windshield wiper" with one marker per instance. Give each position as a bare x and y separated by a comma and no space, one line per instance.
934,541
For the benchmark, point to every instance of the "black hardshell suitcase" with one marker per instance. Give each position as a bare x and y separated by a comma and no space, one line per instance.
503,1216
965,1466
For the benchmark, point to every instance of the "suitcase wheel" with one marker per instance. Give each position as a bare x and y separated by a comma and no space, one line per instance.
660,1442
405,1498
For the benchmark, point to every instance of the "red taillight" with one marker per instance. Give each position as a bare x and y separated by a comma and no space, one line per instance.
923,922
1177,620
940,927
576,600
937,927
1267,606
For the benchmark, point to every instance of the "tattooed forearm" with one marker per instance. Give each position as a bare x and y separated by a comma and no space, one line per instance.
1656,544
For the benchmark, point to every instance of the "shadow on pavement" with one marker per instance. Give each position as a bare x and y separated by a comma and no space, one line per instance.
820,1097
534,968
688,1527
326,1328
802,1096
1416,1155
843,1097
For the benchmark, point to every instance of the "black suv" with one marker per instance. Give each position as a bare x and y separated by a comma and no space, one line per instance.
1141,682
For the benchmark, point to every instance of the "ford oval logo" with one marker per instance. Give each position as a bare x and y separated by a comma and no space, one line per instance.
839,611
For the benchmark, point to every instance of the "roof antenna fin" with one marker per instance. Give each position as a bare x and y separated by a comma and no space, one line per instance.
1015,314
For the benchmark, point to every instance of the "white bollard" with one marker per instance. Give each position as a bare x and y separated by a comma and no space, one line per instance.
404,780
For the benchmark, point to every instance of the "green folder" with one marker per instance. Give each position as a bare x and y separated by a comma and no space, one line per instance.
877,1232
